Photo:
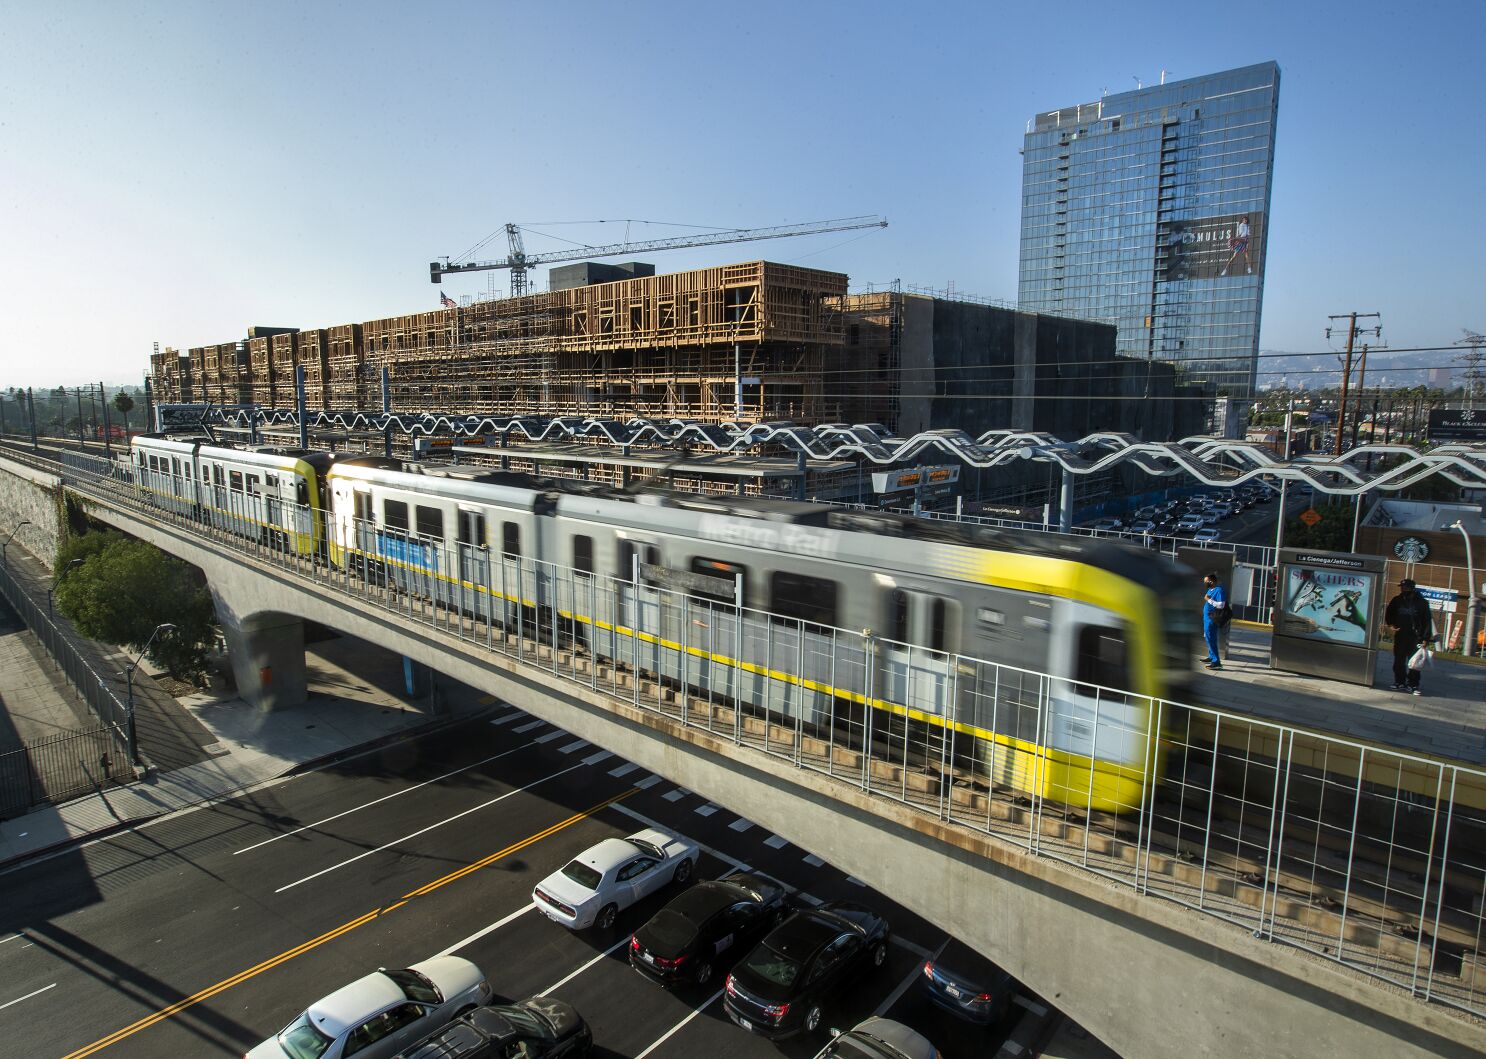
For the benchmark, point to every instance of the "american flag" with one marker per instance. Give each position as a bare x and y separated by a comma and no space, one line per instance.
447,302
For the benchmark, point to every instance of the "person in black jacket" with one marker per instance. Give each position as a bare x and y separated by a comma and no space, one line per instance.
1409,617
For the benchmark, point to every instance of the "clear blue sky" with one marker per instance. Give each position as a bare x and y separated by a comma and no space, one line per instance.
177,172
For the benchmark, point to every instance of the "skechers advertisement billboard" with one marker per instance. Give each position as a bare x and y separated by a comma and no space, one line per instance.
1215,247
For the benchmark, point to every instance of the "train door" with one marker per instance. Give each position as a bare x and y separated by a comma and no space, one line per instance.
1092,717
919,643
273,510
639,602
473,555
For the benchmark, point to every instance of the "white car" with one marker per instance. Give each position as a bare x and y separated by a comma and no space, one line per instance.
1207,536
1189,523
379,1015
595,886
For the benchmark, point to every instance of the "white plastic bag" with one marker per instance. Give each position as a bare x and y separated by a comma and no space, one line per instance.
1420,658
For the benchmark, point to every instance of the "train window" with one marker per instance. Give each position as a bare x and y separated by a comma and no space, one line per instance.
897,616
1102,658
510,540
175,466
235,481
472,528
729,572
430,522
395,515
811,599
583,555
649,555
216,474
362,505
252,484
301,492
206,475
271,481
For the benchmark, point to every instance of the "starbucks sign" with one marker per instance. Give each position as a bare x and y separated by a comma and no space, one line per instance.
1411,549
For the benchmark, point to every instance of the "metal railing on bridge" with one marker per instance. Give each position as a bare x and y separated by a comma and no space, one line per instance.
1361,854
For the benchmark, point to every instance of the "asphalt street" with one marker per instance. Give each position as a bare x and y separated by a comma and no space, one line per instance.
206,932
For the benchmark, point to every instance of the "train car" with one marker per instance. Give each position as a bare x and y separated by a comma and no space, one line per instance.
273,495
765,603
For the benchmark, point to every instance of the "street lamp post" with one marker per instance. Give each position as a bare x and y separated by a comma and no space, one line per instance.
57,581
4,556
1279,527
1469,647
132,735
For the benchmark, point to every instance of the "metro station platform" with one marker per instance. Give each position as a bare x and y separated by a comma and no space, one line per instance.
1447,721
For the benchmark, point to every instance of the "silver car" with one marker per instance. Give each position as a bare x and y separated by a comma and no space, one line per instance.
379,1015
596,885
880,1039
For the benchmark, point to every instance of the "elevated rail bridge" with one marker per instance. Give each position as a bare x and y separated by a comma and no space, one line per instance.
1280,888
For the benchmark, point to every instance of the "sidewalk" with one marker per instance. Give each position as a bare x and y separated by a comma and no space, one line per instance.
356,698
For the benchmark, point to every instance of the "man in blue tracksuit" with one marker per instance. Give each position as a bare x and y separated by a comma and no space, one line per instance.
1214,603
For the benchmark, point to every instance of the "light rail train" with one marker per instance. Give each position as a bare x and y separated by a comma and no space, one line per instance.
797,610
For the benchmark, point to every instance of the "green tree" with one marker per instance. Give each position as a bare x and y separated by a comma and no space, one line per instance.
1332,534
125,404
124,588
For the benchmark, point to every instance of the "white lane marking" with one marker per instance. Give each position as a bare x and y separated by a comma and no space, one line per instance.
378,801
508,718
594,759
528,726
703,1006
740,825
1011,1048
676,795
577,744
556,733
28,996
705,810
11,938
477,935
624,770
775,842
812,860
430,827
1031,1005
648,782
918,969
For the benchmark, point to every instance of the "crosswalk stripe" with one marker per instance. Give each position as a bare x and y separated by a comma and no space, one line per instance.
706,810
648,782
528,726
740,825
623,770
676,795
775,842
594,759
556,733
508,718
576,745
812,860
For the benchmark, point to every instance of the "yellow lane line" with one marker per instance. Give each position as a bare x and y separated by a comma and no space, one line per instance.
345,928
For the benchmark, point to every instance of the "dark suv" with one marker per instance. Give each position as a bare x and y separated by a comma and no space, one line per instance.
782,986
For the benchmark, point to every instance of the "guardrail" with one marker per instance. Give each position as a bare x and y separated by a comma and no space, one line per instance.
1359,854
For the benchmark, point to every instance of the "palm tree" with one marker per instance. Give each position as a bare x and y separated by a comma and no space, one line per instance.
125,404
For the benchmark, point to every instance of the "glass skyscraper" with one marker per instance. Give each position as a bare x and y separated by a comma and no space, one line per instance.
1149,209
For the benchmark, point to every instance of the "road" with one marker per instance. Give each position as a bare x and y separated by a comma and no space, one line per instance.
206,932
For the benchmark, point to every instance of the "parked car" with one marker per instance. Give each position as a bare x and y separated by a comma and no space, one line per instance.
1149,512
683,942
1207,535
967,985
1189,524
1209,516
879,1038
543,1026
1223,509
782,986
376,1016
595,886
1106,525
1141,528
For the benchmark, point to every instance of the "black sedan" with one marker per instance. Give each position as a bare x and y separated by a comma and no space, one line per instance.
967,985
538,1027
684,941
782,986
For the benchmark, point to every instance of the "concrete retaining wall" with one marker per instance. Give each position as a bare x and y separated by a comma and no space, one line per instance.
28,495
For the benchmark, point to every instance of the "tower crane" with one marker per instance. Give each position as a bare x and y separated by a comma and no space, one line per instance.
519,261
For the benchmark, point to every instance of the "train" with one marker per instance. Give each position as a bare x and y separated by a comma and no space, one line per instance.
1046,651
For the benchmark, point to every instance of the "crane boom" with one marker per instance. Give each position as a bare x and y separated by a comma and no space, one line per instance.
518,261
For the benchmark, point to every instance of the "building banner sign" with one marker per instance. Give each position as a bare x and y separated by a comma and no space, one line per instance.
1457,424
1330,605
1215,247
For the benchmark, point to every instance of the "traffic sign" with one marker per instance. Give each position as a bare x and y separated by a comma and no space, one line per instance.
1310,516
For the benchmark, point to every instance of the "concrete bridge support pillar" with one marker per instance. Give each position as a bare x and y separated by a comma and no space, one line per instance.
266,650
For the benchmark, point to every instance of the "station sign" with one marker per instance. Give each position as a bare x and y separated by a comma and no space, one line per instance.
914,479
1457,424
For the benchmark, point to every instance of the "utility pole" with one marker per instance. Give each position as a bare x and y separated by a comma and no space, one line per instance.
1352,333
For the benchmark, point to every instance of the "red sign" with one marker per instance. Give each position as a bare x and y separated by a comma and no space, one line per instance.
1310,516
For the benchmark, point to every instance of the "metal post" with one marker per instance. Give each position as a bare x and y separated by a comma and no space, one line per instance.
386,414
737,381
131,733
31,404
1065,503
1471,624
